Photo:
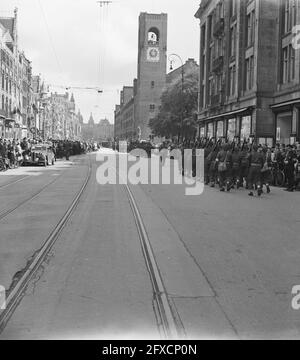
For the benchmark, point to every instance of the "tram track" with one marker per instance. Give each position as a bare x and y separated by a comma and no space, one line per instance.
169,324
15,294
4,186
6,213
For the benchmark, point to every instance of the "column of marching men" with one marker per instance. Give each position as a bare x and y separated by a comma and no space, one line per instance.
14,152
246,165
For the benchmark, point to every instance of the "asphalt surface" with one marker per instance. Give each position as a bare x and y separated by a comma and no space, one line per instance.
228,261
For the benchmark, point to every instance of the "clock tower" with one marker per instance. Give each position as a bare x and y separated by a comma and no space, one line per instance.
152,67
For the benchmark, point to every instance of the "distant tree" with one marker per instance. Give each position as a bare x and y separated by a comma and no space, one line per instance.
177,113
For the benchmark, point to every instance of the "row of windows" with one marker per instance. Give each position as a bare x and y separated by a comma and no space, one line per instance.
289,15
288,74
289,63
6,105
215,83
216,47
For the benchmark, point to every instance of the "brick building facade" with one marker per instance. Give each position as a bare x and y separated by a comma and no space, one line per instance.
16,93
249,70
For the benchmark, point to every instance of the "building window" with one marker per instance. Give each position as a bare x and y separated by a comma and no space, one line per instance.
203,66
290,15
246,127
152,108
211,57
232,80
250,73
209,28
210,130
219,48
233,8
153,36
220,10
220,129
288,57
231,129
233,40
250,28
219,80
211,89
202,95
203,36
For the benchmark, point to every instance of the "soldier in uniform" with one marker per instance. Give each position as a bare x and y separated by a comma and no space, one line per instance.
289,164
297,168
244,166
266,170
213,167
224,161
207,162
256,162
236,166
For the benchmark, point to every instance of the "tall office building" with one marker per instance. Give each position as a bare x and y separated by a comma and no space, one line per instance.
249,70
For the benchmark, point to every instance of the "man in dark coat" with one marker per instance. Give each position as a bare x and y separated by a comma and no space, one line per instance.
224,161
256,161
289,165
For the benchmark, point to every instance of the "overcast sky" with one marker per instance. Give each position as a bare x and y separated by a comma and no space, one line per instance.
77,43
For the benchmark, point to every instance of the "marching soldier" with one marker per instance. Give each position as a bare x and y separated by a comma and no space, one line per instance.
266,170
224,161
213,167
244,167
256,162
289,164
236,165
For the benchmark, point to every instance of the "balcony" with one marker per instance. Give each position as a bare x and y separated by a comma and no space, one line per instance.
219,27
218,64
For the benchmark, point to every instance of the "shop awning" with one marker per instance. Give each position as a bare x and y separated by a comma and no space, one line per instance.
286,103
227,114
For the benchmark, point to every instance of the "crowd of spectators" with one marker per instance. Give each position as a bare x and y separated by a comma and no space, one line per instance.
14,152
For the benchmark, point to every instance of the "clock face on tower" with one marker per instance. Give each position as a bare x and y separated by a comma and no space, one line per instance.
153,54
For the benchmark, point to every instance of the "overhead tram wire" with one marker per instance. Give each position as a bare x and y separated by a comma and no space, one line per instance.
103,16
67,87
50,37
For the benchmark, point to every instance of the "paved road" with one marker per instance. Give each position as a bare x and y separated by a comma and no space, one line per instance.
228,262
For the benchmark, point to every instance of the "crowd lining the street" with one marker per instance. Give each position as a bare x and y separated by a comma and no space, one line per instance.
14,152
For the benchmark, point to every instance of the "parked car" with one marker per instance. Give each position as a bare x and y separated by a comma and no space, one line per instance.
40,154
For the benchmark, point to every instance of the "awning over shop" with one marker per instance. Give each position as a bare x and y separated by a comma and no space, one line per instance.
286,103
236,112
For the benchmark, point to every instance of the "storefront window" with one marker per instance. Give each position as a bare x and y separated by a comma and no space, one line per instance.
294,122
202,132
246,127
210,130
284,127
220,129
231,129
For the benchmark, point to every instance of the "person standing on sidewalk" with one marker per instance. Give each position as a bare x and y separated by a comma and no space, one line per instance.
289,165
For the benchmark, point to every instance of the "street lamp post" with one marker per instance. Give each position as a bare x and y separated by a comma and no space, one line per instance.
182,84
